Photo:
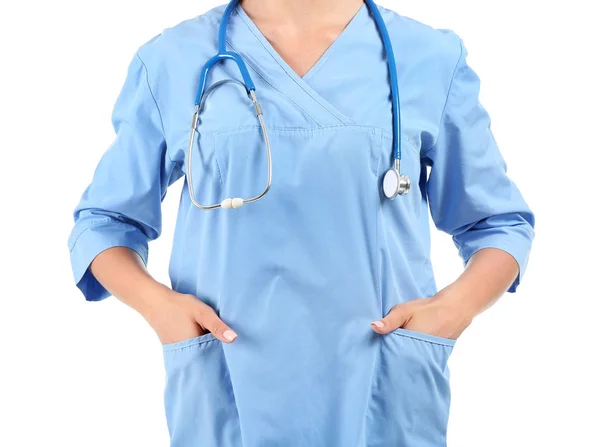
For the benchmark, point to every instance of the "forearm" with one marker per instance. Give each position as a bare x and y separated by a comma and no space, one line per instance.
488,275
121,271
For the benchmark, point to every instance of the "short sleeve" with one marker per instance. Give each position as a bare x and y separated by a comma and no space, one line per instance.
470,194
122,204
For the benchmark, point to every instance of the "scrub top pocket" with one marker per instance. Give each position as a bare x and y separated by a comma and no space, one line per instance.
410,400
199,401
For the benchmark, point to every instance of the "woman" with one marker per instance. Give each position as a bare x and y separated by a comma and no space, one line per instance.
309,317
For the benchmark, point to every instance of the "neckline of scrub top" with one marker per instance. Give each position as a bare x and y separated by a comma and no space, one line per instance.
268,64
281,61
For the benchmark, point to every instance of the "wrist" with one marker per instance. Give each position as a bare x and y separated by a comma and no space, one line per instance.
457,303
155,298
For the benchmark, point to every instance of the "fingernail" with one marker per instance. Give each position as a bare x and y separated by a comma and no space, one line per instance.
229,335
378,324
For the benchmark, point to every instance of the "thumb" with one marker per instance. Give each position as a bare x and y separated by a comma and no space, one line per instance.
397,317
208,319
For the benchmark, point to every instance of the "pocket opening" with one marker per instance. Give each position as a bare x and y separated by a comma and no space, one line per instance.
420,336
204,338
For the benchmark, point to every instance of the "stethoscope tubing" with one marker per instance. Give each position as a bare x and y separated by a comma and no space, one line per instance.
393,74
402,183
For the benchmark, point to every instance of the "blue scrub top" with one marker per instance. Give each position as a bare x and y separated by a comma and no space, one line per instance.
300,274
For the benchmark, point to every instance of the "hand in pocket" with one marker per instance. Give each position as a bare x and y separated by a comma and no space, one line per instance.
181,317
434,316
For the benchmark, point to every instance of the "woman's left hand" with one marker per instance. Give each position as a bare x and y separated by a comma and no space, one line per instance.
442,315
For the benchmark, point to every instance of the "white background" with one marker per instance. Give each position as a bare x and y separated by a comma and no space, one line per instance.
90,374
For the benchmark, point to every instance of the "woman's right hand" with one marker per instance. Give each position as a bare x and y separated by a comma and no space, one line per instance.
173,316
177,317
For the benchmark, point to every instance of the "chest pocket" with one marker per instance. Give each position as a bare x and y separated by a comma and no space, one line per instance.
311,165
308,164
241,159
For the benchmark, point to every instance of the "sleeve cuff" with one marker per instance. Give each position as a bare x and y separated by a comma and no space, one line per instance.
92,241
517,244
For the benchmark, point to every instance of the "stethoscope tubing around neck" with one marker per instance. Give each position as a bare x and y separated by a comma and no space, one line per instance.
222,55
394,183
389,51
223,26
393,74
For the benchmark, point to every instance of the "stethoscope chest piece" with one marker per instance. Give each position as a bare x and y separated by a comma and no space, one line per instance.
395,184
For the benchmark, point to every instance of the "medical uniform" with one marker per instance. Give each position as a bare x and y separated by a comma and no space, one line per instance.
300,274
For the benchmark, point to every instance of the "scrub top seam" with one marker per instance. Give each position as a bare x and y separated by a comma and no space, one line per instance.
408,142
460,56
92,224
291,129
377,222
162,125
214,149
116,223
306,130
342,119
379,340
258,72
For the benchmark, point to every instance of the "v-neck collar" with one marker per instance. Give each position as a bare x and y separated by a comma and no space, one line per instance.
243,36
281,61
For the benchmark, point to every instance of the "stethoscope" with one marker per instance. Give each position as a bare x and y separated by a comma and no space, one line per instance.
394,183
